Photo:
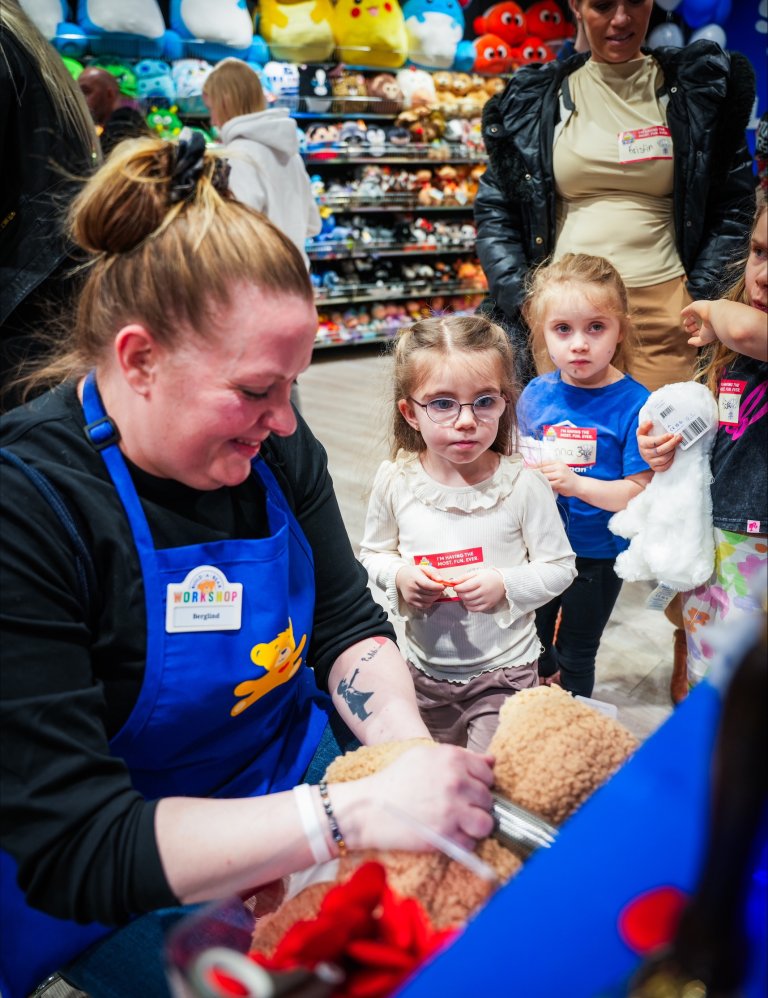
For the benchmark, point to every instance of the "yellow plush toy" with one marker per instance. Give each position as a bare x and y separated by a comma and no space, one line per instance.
297,30
370,33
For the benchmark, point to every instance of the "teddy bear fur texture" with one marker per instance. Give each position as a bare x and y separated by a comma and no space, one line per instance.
552,752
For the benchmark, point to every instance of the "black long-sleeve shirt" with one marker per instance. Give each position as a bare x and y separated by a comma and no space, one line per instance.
70,674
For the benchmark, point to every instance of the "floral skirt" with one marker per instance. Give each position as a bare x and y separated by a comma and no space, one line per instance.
736,591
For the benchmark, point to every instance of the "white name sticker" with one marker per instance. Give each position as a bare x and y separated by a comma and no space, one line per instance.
638,144
575,446
204,601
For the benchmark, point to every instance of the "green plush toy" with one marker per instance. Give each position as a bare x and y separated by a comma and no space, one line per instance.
164,122
123,72
73,66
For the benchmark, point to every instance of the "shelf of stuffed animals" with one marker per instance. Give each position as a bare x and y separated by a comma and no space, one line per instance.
322,251
382,321
346,204
367,293
337,154
411,234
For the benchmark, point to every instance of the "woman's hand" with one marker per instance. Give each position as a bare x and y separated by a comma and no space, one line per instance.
481,591
563,479
442,786
696,323
657,452
417,588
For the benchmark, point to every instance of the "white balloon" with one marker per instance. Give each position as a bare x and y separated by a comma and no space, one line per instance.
712,32
666,34
668,4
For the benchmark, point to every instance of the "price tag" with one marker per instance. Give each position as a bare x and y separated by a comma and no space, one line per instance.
661,597
687,424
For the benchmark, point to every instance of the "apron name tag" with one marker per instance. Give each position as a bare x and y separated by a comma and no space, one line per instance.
204,601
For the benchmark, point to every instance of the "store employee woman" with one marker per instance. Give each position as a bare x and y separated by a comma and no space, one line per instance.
179,593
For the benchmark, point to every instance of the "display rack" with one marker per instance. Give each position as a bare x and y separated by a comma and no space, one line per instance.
402,235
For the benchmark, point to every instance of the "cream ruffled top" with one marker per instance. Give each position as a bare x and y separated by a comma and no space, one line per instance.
509,523
447,497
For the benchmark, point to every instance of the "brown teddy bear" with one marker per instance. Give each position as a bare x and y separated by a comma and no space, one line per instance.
552,752
349,84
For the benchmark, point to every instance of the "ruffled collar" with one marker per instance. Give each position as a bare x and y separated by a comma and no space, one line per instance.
467,498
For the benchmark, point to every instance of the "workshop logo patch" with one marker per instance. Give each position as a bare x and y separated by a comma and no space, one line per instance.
204,601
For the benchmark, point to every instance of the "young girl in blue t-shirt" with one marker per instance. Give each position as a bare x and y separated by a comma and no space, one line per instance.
577,425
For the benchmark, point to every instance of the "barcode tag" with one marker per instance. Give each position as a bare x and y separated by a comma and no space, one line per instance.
661,597
687,424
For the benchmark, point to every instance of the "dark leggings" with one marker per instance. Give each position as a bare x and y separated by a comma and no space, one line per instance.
586,605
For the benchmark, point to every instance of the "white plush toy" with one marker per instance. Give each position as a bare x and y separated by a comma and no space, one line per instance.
669,524
45,14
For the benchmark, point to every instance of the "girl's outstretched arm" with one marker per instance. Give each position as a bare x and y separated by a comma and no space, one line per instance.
611,496
738,326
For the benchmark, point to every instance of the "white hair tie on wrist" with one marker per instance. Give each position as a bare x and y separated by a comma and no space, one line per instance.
314,828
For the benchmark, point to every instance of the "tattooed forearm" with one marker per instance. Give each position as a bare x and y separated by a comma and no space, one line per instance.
355,699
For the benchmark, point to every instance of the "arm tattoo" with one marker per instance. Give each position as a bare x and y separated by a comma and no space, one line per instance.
354,699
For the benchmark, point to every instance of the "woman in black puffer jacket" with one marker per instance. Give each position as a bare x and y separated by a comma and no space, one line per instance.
636,155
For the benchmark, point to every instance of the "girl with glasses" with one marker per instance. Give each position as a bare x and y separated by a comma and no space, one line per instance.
464,540
577,426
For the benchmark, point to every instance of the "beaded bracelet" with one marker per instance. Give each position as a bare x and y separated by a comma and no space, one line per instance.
338,838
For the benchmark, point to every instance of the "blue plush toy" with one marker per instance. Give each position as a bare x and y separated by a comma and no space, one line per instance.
435,29
189,76
130,30
153,79
217,30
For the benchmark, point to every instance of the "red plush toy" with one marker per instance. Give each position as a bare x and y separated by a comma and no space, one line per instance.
505,20
493,55
533,49
546,20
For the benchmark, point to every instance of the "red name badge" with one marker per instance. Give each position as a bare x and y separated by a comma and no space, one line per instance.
450,565
729,400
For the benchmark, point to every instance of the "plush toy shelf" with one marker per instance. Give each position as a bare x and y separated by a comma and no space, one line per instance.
329,251
330,156
362,293
347,204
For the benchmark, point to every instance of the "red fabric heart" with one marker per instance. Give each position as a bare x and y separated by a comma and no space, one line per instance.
376,938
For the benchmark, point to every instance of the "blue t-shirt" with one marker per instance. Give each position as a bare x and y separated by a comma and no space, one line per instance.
594,433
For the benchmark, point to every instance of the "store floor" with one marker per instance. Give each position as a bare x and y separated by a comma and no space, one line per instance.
344,398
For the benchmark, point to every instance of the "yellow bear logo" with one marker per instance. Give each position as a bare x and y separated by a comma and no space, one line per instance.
281,658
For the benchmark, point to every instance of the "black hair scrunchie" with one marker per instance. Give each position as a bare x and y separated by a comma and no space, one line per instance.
188,165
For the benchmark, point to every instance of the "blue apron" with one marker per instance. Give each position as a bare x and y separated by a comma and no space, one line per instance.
227,708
